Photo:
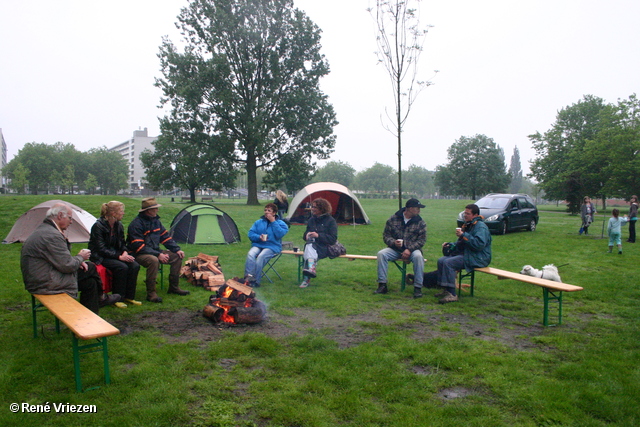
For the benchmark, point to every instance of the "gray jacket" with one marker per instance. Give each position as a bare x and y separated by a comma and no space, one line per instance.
47,264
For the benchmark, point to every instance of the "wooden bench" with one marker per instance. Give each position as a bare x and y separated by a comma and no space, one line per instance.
187,198
402,266
551,291
83,323
209,198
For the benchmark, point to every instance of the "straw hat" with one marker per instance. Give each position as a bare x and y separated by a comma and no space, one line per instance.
149,203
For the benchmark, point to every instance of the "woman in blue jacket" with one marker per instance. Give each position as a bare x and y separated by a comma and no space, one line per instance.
266,242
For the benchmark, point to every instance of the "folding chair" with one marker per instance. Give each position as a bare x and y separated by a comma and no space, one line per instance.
270,266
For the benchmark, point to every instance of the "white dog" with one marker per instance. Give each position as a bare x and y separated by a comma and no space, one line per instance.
549,272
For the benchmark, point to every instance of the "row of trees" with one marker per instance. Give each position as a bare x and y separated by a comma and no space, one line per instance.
39,167
591,149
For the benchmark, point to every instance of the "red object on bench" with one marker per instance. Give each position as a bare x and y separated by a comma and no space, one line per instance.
106,276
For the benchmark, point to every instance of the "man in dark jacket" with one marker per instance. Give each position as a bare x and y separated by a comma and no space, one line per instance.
405,233
474,239
145,235
49,268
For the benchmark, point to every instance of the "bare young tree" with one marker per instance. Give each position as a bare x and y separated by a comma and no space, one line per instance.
400,39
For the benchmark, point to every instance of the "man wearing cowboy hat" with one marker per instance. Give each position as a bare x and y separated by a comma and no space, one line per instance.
145,235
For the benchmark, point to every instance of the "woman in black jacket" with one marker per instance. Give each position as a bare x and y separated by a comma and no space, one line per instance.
108,248
321,232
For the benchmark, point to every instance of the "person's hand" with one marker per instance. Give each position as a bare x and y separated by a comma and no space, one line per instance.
125,257
312,234
163,258
85,254
459,232
270,216
84,266
398,243
179,253
444,244
406,254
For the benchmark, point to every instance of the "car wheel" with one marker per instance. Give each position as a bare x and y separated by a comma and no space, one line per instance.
532,225
503,229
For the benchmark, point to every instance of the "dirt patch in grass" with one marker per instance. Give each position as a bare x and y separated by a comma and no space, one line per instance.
346,331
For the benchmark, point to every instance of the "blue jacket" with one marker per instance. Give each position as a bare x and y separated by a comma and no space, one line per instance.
274,230
477,244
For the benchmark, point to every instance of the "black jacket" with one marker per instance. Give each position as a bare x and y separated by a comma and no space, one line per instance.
146,234
327,230
106,242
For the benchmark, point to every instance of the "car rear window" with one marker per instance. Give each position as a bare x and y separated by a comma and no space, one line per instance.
492,202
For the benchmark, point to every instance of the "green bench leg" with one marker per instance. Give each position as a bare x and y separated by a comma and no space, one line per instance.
472,278
403,270
35,307
78,350
549,296
300,267
161,276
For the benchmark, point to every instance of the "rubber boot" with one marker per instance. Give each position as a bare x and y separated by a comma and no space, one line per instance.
152,296
175,289
310,271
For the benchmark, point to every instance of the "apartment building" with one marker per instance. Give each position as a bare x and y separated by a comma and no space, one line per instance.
130,150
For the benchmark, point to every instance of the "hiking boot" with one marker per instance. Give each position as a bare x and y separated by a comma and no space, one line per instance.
382,289
109,299
444,293
409,279
153,297
132,301
175,289
417,292
306,282
448,298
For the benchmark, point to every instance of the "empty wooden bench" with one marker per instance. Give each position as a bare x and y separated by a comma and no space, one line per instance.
551,291
83,323
402,266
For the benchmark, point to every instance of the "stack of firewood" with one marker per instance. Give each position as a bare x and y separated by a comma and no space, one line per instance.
203,270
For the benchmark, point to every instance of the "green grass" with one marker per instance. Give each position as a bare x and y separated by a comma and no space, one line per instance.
407,359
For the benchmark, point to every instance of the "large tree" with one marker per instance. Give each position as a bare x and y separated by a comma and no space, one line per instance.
186,156
336,171
418,181
400,39
476,166
515,172
109,168
250,73
561,166
378,178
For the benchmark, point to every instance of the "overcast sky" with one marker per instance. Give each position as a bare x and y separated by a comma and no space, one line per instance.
82,72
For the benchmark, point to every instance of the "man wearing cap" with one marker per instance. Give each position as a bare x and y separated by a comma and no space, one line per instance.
404,234
145,235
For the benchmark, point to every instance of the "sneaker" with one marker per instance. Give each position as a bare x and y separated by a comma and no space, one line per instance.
448,298
444,293
132,301
382,289
305,283
417,292
120,305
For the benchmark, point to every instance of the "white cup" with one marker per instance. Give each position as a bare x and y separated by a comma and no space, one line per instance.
263,237
399,242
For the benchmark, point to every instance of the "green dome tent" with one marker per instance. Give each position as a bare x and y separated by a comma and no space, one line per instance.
203,224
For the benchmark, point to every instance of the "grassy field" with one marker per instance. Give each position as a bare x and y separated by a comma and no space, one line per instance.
335,353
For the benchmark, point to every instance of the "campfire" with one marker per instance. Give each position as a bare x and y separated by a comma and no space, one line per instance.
235,303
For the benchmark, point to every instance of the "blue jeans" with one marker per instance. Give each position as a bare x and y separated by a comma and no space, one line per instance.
448,267
257,258
387,254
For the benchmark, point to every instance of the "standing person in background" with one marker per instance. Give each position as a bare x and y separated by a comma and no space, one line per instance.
266,242
614,230
587,212
282,204
633,218
109,249
321,232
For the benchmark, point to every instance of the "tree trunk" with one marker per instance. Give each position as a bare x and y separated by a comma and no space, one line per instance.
192,194
252,180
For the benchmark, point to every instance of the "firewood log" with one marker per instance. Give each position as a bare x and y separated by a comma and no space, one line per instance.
249,315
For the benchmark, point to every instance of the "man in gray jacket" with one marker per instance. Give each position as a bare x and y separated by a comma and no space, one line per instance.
49,268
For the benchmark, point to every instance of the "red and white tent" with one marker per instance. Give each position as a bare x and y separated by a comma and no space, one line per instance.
346,208
78,232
